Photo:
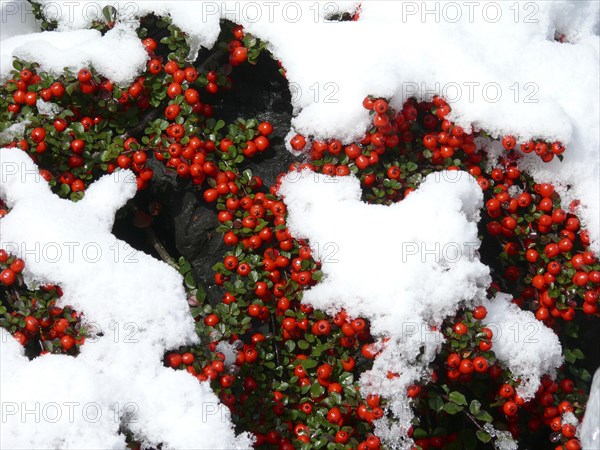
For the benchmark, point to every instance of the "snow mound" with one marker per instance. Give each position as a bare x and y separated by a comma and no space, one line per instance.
137,305
590,427
527,347
416,258
333,65
406,267
118,55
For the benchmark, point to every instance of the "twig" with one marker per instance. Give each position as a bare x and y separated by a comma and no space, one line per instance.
213,56
160,248
274,342
146,119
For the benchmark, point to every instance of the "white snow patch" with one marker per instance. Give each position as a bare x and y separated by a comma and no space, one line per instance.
503,440
229,351
405,267
523,344
590,427
137,301
118,55
15,130
48,109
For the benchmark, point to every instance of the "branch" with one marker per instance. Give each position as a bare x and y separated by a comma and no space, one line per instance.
146,119
273,330
160,248
222,51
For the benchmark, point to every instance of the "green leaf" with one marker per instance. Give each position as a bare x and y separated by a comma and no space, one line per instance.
420,433
483,436
317,275
246,175
290,345
190,283
108,13
309,363
436,403
185,267
346,378
78,127
411,166
316,390
585,376
484,416
475,407
220,124
201,293
458,398
452,408
578,354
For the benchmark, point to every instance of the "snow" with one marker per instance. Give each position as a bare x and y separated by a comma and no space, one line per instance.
17,18
47,109
523,344
507,76
397,264
138,303
15,130
55,51
405,267
590,428
229,351
503,440
545,92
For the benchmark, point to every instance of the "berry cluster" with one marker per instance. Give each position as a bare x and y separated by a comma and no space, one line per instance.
289,373
100,126
544,258
32,315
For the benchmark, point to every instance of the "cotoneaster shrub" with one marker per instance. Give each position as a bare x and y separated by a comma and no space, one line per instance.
294,378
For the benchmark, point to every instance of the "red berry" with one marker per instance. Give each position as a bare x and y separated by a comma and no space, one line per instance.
480,313
174,360
509,142
460,328
298,142
8,277
510,408
211,320
84,76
